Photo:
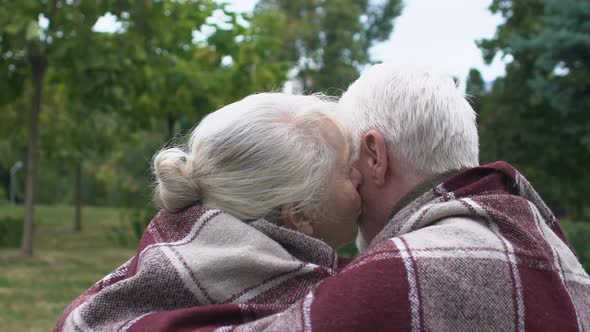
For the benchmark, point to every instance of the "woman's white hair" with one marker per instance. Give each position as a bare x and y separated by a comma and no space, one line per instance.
252,157
427,123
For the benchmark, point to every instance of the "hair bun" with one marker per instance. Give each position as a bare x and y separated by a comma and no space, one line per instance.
175,184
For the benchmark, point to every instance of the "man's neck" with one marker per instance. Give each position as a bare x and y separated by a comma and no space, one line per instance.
416,188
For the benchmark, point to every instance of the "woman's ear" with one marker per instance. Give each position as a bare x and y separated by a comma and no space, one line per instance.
296,220
374,151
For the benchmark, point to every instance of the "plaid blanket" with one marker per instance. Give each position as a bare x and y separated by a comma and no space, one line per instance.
201,257
479,252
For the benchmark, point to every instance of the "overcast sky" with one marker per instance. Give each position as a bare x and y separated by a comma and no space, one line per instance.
429,32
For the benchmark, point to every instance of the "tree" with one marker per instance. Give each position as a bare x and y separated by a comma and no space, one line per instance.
72,133
475,85
539,110
152,73
561,50
29,49
329,41
189,73
170,86
160,37
96,91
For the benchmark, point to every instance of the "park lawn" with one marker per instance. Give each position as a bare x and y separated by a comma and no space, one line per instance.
34,291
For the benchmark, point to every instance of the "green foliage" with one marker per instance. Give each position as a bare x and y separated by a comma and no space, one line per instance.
29,49
578,234
25,44
561,51
475,89
12,126
120,236
131,227
110,104
475,86
11,231
3,196
184,72
538,116
328,41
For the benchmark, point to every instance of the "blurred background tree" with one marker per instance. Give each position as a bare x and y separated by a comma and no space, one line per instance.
108,89
538,116
329,41
36,37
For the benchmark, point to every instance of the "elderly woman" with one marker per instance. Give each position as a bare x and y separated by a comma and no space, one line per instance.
251,212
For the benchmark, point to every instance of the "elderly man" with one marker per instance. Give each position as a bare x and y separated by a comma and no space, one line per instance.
447,245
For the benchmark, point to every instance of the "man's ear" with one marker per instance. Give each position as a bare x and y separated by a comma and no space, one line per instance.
375,152
296,220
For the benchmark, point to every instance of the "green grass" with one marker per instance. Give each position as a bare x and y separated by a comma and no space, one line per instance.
34,291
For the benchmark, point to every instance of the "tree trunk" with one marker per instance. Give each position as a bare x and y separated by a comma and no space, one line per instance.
78,218
38,65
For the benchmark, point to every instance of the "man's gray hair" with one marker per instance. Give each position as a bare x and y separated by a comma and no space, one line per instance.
427,123
252,157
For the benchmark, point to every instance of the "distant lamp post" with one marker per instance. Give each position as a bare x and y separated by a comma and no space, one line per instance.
18,165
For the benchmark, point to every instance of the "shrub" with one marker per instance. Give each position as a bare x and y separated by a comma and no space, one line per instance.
11,231
129,231
578,233
3,197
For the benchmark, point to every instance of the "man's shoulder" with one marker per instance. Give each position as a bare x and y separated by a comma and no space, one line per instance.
453,233
460,240
432,271
458,273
